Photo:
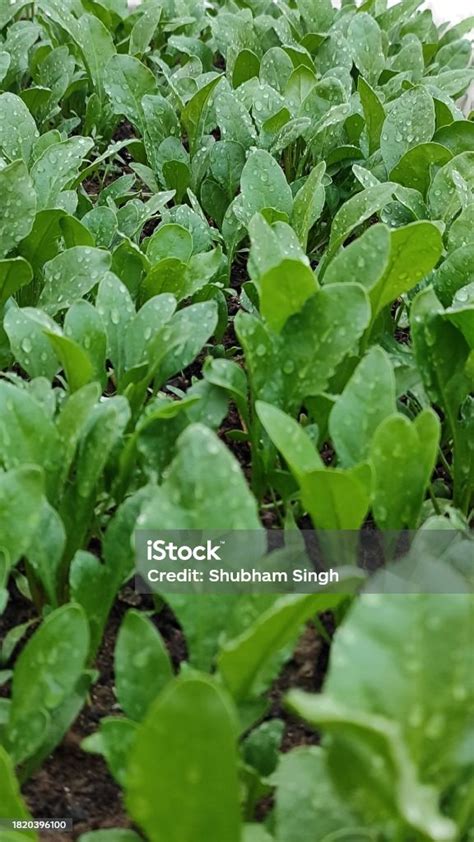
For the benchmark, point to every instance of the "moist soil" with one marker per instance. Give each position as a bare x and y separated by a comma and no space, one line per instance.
77,785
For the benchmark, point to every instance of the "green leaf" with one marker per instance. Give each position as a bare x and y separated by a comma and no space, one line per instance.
14,274
195,113
365,38
17,128
91,586
443,197
182,781
84,326
56,655
18,207
426,700
356,211
21,499
377,737
142,665
374,113
26,329
414,251
70,275
300,361
204,488
308,805
75,361
403,454
170,240
144,30
245,663
116,308
455,272
283,291
367,399
410,121
337,499
56,168
290,439
185,336
263,185
415,167
28,435
126,82
11,802
460,232
46,550
308,203
363,261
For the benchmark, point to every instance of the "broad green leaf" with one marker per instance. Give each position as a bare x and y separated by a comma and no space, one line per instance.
356,211
185,336
18,206
43,241
75,361
56,654
460,232
415,167
441,354
308,805
429,698
21,500
358,735
461,312
308,203
203,620
70,275
403,454
126,82
46,550
363,261
142,332
144,30
454,273
142,665
84,326
283,291
368,398
28,435
458,136
116,308
233,119
26,329
57,167
182,781
11,801
336,499
97,48
263,185
410,121
102,223
300,361
204,488
245,663
374,113
290,439
414,251
170,241
365,38
195,113
443,197
91,586
15,273
114,740
17,128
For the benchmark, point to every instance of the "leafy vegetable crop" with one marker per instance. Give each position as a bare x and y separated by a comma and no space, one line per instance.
237,292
